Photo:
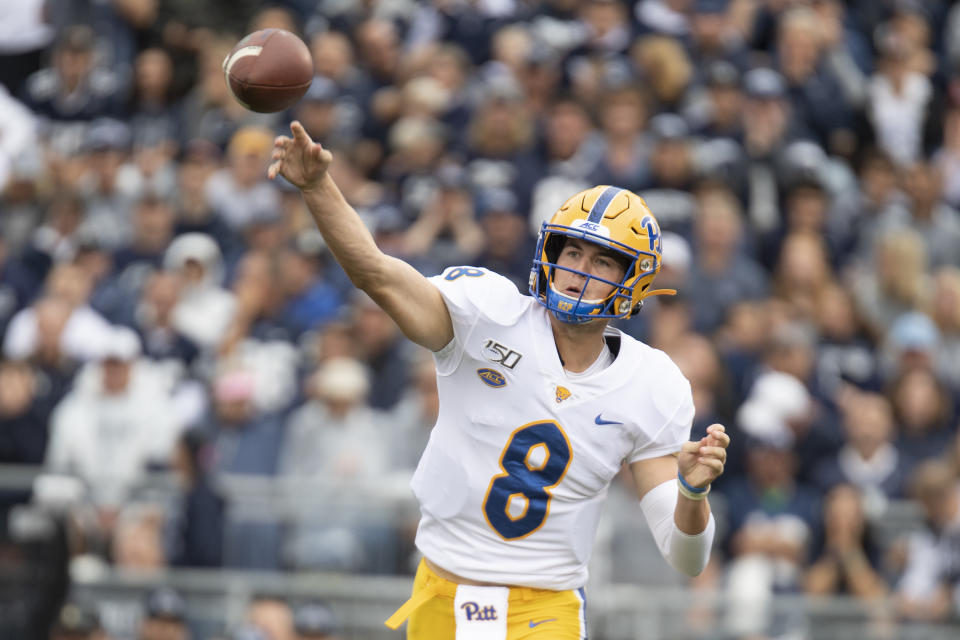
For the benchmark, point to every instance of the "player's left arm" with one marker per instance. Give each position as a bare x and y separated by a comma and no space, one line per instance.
680,517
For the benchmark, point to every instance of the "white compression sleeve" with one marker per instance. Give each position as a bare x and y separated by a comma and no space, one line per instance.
685,553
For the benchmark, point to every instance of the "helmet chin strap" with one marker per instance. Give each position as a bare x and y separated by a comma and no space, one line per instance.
660,292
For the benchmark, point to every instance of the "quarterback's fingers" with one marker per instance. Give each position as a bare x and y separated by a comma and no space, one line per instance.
718,453
299,133
690,447
273,170
719,439
713,463
282,141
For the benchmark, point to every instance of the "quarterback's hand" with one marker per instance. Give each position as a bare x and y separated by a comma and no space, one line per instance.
300,160
701,462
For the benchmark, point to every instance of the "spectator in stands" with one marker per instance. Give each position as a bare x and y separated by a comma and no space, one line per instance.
936,221
108,183
85,330
947,157
911,343
768,128
154,321
506,236
204,309
815,91
198,161
946,315
164,617
194,531
23,414
336,434
899,98
844,352
500,131
115,422
77,621
895,284
136,539
721,274
623,118
310,300
569,151
153,220
272,615
246,440
869,460
209,110
671,161
927,589
720,114
665,66
382,348
773,520
240,191
802,271
413,417
924,412
879,198
151,104
849,562
446,230
73,87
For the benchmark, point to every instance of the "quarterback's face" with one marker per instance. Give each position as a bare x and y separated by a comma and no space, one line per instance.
590,258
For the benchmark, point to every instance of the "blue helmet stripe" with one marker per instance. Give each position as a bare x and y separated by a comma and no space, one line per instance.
600,206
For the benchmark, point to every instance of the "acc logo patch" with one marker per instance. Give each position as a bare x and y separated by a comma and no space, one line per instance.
492,378
562,393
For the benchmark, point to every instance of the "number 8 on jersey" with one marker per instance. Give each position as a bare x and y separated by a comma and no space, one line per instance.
534,460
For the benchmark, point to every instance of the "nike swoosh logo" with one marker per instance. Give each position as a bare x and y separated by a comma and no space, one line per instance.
539,622
599,420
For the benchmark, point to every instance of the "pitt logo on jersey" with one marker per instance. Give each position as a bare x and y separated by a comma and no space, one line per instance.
492,378
474,612
562,393
501,354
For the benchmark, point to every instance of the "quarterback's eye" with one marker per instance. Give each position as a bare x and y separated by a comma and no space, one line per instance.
604,262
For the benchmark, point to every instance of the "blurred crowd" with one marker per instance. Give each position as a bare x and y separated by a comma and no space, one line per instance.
165,307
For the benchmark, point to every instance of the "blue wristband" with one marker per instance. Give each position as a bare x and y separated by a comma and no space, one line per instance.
689,487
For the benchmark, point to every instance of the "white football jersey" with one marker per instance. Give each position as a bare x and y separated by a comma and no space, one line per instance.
512,482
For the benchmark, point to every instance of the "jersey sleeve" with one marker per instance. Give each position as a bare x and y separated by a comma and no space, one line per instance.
670,409
473,295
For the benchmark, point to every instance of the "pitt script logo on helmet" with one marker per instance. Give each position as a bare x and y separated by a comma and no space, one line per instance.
616,219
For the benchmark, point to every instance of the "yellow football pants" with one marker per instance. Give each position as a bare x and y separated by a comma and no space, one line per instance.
532,614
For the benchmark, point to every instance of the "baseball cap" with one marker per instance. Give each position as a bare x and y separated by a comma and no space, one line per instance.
709,6
496,200
914,331
668,126
721,73
764,83
107,134
165,603
73,618
322,89
120,343
314,618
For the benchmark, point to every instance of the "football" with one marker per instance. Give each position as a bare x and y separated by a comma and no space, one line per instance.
268,70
